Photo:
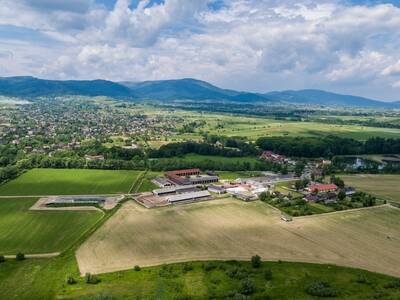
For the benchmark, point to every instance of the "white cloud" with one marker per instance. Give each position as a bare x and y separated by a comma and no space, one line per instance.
246,44
393,70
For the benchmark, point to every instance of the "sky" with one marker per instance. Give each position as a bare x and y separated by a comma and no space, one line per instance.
345,46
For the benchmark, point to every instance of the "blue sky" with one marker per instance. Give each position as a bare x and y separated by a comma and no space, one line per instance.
346,46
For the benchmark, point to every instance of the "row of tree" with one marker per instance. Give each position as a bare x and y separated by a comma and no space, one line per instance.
328,146
236,149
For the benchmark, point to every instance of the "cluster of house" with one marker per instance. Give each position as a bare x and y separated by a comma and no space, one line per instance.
179,186
326,193
249,189
183,186
276,158
27,124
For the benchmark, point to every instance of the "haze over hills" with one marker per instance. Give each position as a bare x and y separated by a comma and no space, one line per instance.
179,89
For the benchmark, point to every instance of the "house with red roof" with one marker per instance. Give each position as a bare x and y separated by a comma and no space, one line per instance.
314,187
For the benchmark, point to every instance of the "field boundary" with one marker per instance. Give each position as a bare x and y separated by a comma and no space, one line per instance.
343,211
36,255
138,182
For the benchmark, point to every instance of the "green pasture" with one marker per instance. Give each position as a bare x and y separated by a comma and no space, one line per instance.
147,185
69,182
40,231
36,279
255,127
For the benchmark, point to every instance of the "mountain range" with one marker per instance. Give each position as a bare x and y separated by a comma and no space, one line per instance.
180,89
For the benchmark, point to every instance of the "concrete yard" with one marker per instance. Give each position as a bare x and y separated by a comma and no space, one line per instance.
231,229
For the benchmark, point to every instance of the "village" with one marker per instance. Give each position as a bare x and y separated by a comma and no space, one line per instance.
293,195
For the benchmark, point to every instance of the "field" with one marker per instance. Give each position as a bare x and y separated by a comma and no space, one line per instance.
40,232
231,229
146,184
38,182
255,127
218,160
382,186
45,279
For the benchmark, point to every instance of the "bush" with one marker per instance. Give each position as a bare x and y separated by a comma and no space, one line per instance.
187,267
209,266
2,258
320,289
70,280
20,256
247,287
395,284
237,273
256,261
362,279
268,274
91,279
137,268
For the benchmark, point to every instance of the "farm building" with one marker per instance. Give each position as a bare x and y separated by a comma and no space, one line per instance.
175,190
273,157
322,187
216,189
162,182
81,200
190,177
188,196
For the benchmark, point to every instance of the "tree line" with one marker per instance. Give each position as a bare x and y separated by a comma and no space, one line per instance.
328,146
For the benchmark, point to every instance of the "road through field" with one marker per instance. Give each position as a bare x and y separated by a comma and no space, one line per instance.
231,229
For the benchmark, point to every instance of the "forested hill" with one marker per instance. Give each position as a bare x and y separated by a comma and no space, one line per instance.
170,90
33,87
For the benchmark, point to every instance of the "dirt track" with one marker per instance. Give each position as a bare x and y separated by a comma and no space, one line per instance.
229,229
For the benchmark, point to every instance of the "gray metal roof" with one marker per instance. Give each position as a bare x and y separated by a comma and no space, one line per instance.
189,196
172,189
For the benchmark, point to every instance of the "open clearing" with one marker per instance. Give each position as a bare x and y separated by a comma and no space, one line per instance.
230,229
382,186
34,232
41,182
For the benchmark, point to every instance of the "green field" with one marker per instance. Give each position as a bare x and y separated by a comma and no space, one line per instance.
147,185
40,231
382,186
38,279
218,160
255,127
38,182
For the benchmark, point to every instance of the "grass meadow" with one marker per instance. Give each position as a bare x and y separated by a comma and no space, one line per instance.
36,279
38,182
34,232
255,127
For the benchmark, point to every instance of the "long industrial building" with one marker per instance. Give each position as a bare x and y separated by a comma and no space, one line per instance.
190,177
188,196
175,189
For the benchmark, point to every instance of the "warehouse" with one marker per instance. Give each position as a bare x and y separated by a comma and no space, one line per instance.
175,190
162,182
188,197
190,177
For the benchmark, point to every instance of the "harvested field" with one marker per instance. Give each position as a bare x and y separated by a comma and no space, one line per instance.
231,229
382,186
